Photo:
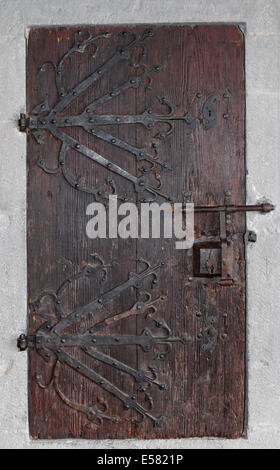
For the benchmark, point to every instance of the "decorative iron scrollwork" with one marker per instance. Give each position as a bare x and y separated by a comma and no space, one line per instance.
51,342
44,119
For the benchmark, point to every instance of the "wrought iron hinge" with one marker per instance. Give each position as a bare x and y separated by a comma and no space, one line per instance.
213,259
45,120
53,345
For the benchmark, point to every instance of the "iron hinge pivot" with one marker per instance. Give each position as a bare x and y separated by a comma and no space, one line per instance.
25,341
22,122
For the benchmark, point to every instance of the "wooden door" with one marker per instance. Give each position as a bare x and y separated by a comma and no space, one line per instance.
132,337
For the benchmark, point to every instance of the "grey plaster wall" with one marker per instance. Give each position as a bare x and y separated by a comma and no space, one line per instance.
263,99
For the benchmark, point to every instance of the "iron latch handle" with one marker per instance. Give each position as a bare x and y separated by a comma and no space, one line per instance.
226,277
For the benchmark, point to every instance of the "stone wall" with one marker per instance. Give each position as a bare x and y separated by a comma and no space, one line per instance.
262,18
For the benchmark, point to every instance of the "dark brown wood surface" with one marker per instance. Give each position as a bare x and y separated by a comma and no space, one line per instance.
205,378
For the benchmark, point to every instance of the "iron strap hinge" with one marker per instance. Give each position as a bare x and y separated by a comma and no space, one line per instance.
45,120
53,345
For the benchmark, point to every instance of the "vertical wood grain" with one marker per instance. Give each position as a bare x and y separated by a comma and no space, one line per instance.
205,385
